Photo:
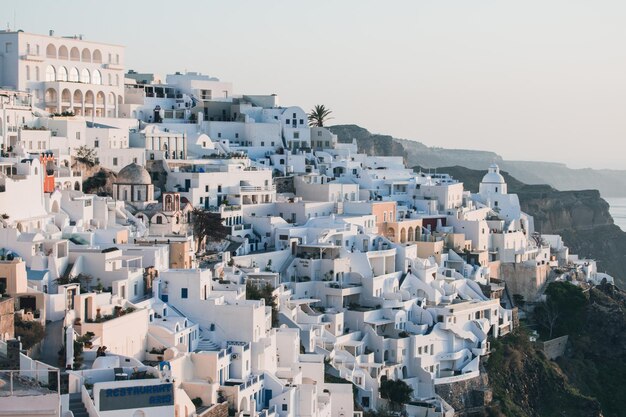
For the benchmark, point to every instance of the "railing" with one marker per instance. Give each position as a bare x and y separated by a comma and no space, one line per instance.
24,383
252,188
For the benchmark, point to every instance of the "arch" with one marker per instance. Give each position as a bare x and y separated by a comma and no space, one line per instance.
51,51
51,74
85,76
391,234
410,235
77,186
50,96
37,77
27,72
112,99
117,79
97,56
63,54
66,96
74,54
77,101
55,206
90,98
85,56
96,77
74,75
62,74
402,235
243,405
100,98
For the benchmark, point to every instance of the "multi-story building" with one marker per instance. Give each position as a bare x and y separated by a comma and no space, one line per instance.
64,74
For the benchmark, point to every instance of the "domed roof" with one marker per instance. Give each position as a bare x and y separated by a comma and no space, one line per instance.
133,174
493,176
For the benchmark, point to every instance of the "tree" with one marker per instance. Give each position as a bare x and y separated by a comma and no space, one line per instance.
208,225
396,392
319,115
547,314
86,155
562,313
29,332
254,292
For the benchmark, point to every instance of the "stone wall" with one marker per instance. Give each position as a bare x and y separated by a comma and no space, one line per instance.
524,278
7,318
217,410
467,397
554,348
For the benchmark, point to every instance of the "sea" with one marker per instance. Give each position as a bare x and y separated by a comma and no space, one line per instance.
618,211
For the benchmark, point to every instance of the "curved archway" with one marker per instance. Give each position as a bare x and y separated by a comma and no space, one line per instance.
409,233
74,76
66,96
90,101
96,77
391,234
402,235
97,56
243,405
51,51
85,56
51,96
74,54
62,74
85,76
51,74
77,102
63,53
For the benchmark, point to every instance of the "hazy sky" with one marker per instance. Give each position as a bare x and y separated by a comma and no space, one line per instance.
537,80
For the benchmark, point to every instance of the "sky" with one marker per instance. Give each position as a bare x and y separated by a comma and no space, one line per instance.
530,80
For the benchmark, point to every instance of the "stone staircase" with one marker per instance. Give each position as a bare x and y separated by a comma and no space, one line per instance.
77,407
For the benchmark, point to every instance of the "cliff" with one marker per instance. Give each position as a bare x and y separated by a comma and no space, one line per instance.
611,183
582,218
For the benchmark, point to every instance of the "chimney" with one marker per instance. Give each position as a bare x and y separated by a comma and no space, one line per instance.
51,32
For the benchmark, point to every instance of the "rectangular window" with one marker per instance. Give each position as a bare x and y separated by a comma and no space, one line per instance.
294,115
285,407
183,293
96,143
114,161
206,188
219,134
296,135
301,121
78,135
262,143
8,47
236,135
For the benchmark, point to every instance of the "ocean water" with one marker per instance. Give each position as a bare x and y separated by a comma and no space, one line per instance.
618,211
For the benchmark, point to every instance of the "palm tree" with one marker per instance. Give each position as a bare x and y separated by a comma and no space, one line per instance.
319,115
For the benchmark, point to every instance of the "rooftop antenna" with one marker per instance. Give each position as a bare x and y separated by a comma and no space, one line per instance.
14,24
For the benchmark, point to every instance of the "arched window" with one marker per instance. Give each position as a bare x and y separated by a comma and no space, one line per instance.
84,76
63,54
51,51
74,77
109,76
36,73
117,79
62,74
27,73
97,56
51,74
86,55
96,77
75,54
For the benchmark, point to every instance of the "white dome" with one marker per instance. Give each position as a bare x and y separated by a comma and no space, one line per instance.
493,176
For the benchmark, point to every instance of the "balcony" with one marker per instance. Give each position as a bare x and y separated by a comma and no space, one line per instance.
32,57
256,189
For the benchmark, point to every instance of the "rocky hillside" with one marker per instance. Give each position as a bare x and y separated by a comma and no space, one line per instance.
526,384
611,183
581,217
96,179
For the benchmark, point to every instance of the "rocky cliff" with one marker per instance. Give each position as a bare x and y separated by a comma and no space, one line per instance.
611,183
581,217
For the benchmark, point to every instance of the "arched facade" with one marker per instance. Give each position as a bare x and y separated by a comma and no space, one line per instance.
85,55
63,52
74,54
51,51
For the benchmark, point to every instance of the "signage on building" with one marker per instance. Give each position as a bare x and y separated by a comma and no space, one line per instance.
125,398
